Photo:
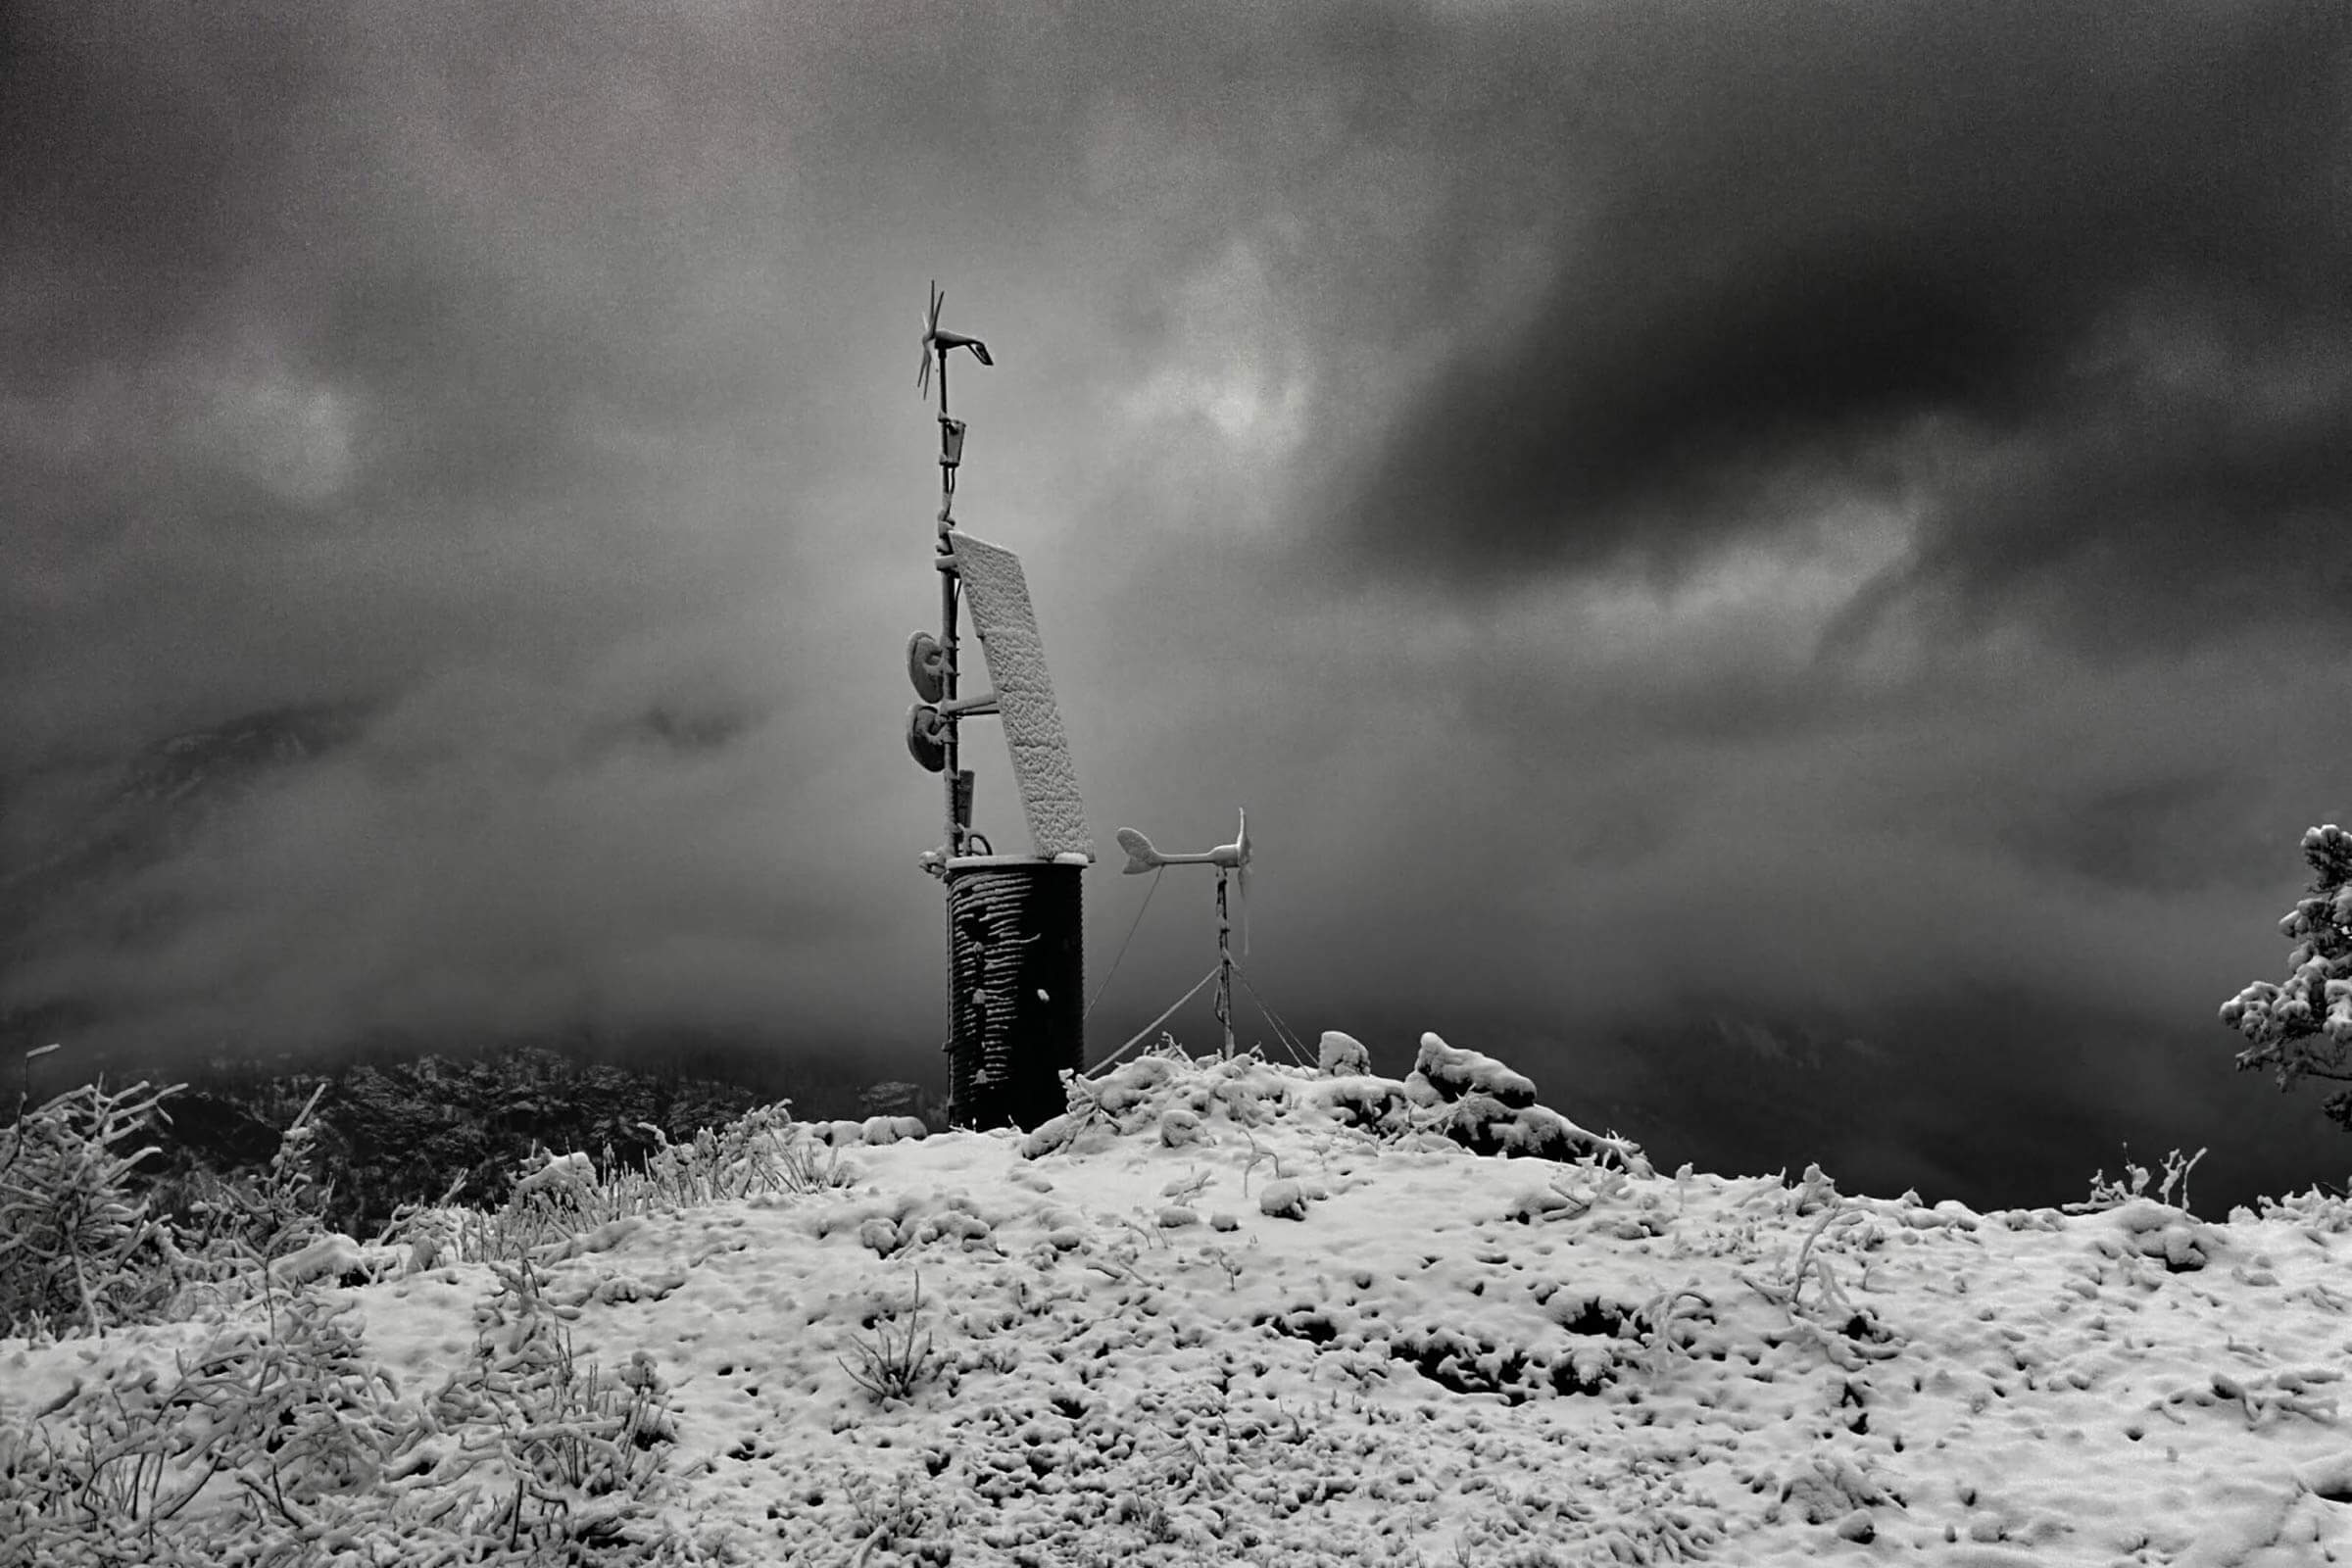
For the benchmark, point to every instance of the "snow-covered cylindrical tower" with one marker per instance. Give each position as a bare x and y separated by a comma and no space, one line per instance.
1016,980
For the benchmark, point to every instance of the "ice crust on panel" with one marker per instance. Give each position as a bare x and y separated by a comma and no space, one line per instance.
998,594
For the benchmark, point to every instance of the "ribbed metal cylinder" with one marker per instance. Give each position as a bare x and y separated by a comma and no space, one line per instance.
1017,971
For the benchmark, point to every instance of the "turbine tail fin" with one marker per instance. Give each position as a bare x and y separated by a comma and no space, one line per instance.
1140,855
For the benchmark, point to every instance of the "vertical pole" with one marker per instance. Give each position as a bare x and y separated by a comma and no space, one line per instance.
1224,970
947,621
947,677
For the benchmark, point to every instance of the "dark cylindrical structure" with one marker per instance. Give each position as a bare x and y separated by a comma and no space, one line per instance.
1016,979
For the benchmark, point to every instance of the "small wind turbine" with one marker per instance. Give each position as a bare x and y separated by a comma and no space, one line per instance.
1229,860
938,343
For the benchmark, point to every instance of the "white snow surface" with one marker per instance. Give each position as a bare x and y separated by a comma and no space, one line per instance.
1216,1321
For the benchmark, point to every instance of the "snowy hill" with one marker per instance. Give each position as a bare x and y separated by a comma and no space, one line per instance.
1239,1312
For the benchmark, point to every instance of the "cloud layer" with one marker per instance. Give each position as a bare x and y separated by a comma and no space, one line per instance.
1693,531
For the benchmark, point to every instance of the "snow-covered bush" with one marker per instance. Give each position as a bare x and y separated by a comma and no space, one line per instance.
278,1439
557,1198
575,1450
77,1245
124,1469
2303,1026
1455,1073
287,1443
762,1150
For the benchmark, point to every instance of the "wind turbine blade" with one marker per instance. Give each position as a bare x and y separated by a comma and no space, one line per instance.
922,375
1244,874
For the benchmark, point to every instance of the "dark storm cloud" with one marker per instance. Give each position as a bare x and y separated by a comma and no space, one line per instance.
450,361
532,384
2075,284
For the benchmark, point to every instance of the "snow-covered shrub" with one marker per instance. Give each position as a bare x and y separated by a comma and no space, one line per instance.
906,1518
575,1451
1455,1073
2302,1027
292,1445
286,1207
2317,1211
558,1199
246,1439
77,1245
1485,1125
1374,1104
762,1150
238,1234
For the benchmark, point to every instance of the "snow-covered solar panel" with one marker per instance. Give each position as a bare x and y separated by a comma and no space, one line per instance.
999,597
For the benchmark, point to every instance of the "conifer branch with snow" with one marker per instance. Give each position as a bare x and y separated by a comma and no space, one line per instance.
2302,1027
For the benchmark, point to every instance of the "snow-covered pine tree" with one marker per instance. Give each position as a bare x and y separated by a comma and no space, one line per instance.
2303,1027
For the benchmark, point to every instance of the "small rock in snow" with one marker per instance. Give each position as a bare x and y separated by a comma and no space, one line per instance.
879,1130
1050,1135
1283,1200
1341,1055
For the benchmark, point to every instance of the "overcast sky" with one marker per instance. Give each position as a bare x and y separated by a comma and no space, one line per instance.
1778,567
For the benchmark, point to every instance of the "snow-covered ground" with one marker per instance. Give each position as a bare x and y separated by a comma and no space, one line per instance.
1240,1312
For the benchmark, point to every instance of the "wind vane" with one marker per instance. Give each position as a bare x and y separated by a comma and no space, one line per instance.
1229,859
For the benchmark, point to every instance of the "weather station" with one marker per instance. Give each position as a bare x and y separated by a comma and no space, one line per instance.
1016,922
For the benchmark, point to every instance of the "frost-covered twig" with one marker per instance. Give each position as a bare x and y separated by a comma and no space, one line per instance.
1188,1189
1257,1155
1788,1297
1660,1314
2106,1194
